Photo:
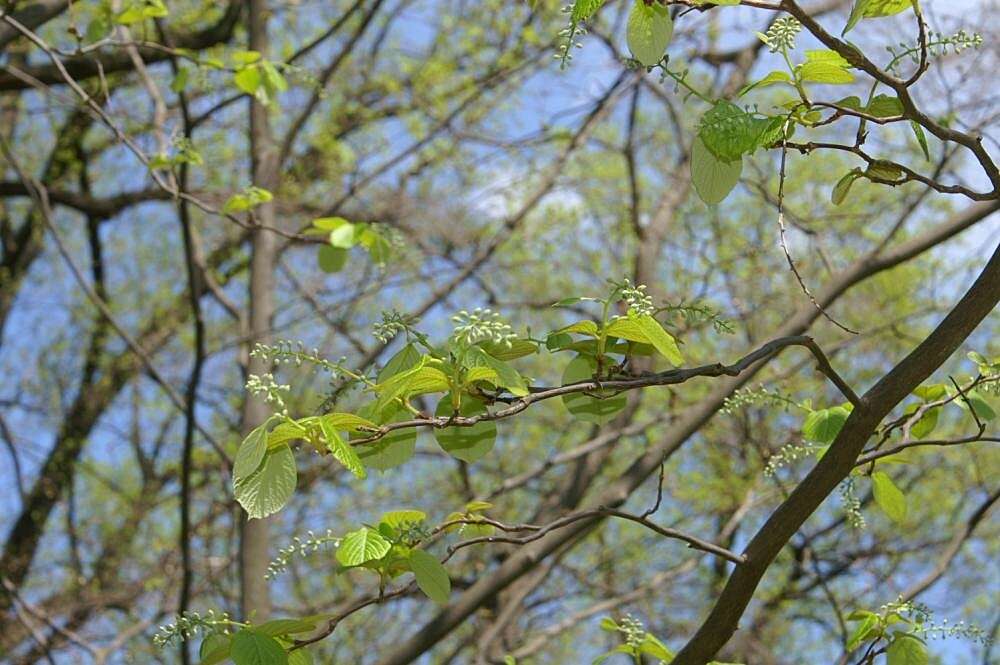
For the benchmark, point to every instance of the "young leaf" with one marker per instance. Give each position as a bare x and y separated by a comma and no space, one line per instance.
980,406
397,518
651,646
729,132
823,425
580,327
907,649
776,77
331,259
417,380
874,9
251,452
214,649
518,348
926,424
584,407
248,79
584,9
885,106
395,448
823,72
361,546
843,186
827,55
254,648
713,179
889,497
347,421
918,131
649,31
868,624
342,451
432,578
406,358
506,376
883,170
300,656
465,443
276,627
644,328
267,489
287,432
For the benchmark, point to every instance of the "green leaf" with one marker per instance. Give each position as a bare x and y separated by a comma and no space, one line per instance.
347,421
248,79
874,9
342,451
253,648
267,489
393,449
918,131
651,646
843,186
286,432
397,518
776,77
343,236
276,627
868,624
477,506
137,10
465,443
361,546
418,380
823,425
648,31
432,578
889,497
584,9
852,102
729,132
885,106
907,649
713,178
926,424
378,245
300,656
274,80
824,72
331,259
883,170
180,80
980,406
827,55
583,406
243,58
644,328
569,302
507,376
251,197
406,358
214,649
580,327
251,452
325,224
932,392
518,348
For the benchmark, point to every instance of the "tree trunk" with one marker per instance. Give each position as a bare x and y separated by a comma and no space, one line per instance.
254,595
